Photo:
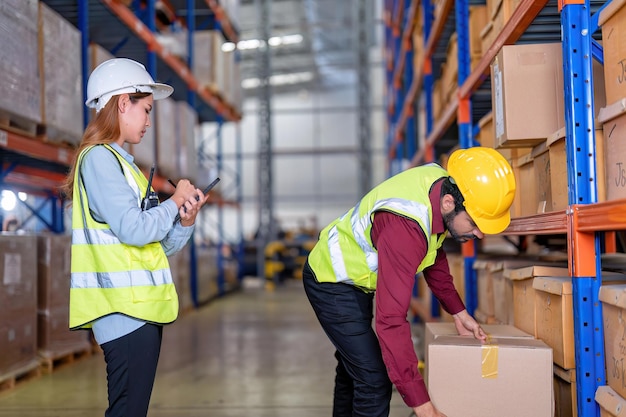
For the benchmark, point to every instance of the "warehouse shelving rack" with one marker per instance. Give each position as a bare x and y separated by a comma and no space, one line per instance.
585,221
34,165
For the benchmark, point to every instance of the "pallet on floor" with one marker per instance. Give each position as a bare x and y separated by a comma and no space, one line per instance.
51,360
18,124
24,373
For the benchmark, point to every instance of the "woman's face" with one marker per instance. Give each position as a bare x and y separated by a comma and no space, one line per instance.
134,118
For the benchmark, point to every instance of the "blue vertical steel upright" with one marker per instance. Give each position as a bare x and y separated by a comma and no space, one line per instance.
581,174
221,282
464,121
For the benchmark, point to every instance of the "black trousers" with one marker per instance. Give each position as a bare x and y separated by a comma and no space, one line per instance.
362,386
131,368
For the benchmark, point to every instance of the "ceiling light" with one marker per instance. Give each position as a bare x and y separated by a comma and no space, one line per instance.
274,41
279,79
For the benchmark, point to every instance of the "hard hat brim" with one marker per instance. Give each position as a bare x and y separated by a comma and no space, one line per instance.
492,226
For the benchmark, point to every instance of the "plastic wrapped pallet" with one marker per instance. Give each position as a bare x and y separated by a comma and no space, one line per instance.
18,298
202,62
19,67
61,69
53,282
187,119
165,128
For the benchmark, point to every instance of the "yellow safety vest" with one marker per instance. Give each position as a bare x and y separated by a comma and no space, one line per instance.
108,276
345,252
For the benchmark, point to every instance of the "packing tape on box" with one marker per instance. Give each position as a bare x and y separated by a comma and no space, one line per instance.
489,352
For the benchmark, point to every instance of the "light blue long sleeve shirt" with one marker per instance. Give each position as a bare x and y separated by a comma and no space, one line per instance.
113,201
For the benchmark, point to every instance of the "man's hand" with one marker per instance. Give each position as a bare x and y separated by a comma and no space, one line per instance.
427,410
467,326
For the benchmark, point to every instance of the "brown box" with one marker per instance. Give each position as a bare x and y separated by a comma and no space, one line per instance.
613,119
611,404
613,298
18,269
484,284
565,392
555,317
554,313
525,201
612,19
54,338
524,294
477,20
558,168
18,338
490,380
53,271
541,168
527,84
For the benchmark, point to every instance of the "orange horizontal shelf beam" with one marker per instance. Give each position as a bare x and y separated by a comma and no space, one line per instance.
539,224
35,148
38,179
146,35
224,20
598,217
521,18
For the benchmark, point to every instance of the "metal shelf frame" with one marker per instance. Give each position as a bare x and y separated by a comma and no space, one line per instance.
585,221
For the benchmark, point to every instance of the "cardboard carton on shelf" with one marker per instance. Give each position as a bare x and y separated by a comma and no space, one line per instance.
613,299
527,84
524,293
468,379
611,403
554,314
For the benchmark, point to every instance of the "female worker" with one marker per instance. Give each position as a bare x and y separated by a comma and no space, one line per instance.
121,284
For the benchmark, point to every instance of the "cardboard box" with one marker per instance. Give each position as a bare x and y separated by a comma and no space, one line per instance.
611,404
612,19
554,313
467,379
613,120
541,168
613,298
484,284
525,199
53,271
527,84
565,392
524,294
558,168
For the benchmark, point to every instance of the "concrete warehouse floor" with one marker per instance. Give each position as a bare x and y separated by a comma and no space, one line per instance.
250,353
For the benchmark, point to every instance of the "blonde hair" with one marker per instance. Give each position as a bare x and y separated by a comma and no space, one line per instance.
103,129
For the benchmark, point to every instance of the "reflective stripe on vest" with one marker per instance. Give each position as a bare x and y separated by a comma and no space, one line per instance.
108,276
345,252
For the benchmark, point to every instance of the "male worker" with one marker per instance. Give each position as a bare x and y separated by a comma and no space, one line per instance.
379,246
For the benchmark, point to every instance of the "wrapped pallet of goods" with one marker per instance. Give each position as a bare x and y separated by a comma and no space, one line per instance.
164,125
20,92
18,298
61,78
55,341
186,121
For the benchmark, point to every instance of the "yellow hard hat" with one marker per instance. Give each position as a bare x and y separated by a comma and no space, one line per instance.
486,181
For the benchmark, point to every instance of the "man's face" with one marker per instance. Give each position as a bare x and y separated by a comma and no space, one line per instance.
461,226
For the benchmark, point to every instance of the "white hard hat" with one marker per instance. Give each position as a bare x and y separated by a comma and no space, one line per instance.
119,76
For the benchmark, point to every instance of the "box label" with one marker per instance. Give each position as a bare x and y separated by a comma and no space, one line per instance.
12,268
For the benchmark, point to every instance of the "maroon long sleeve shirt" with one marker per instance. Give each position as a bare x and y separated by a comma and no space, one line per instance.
402,245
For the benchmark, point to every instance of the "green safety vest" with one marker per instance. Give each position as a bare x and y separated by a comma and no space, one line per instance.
108,276
345,252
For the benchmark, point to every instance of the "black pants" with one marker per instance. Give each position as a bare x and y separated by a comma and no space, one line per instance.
131,367
362,386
